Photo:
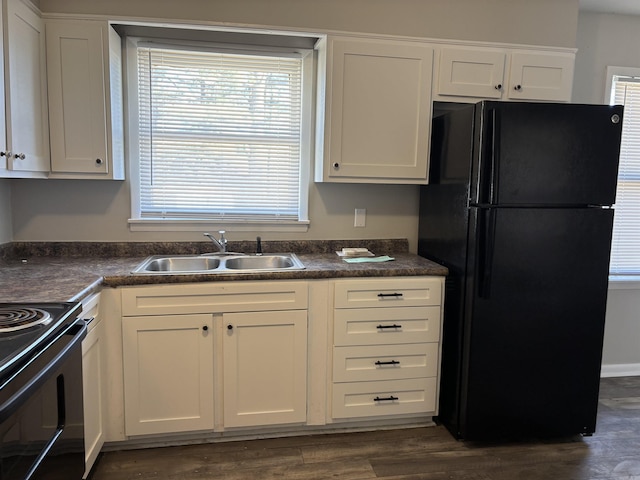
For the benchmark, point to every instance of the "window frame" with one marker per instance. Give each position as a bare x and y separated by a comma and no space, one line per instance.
137,222
620,281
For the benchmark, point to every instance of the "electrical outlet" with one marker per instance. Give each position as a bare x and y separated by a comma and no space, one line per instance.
360,218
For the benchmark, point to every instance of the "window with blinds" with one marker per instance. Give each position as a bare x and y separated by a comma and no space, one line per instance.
625,253
219,134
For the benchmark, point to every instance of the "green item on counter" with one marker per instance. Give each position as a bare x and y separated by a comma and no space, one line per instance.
383,258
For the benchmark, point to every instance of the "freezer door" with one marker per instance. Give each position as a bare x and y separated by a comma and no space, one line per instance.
534,323
546,154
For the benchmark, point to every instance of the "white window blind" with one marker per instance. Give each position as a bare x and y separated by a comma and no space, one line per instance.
625,253
219,135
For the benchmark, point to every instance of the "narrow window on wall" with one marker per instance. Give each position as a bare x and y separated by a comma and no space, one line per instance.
625,253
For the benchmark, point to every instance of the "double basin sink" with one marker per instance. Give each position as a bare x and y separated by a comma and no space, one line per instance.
216,264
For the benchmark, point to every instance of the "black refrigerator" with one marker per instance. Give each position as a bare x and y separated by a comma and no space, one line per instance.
519,208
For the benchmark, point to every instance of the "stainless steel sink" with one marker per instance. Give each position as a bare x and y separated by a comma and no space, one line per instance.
181,264
260,262
194,264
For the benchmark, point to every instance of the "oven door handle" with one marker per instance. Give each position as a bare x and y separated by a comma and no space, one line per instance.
77,332
43,453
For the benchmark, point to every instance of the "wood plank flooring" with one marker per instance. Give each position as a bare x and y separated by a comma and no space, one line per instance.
612,453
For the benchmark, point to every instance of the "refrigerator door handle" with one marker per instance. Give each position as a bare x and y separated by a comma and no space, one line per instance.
487,224
495,156
489,161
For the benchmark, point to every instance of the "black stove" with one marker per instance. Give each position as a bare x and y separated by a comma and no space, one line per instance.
41,405
25,326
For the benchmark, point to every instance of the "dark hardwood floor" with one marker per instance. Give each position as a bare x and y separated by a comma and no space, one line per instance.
612,453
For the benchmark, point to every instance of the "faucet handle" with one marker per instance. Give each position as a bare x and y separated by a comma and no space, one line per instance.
223,241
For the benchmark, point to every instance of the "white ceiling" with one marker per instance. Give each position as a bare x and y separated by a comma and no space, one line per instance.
630,7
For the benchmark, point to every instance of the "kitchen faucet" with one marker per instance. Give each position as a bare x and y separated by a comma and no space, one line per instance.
221,244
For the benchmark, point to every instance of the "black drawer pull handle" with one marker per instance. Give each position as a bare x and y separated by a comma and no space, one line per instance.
387,295
391,362
385,399
382,327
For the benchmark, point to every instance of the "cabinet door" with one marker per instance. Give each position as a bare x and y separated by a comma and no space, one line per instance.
3,119
265,368
379,104
541,76
26,98
168,373
470,72
77,108
93,391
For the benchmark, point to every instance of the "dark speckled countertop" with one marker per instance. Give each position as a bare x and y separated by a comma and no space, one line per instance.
55,272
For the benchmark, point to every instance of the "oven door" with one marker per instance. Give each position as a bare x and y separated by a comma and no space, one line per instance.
41,414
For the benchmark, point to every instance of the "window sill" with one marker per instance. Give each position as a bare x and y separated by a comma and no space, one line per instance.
624,282
153,225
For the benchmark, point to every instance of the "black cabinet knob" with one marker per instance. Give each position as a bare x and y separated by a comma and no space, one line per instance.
205,328
229,327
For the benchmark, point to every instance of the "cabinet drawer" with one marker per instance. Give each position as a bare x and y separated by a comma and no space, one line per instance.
224,297
384,326
385,362
390,397
397,292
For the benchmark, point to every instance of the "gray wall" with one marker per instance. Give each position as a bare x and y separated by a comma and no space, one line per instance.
539,22
611,40
601,42
6,229
55,210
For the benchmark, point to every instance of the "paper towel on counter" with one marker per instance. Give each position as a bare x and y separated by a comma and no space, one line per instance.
382,258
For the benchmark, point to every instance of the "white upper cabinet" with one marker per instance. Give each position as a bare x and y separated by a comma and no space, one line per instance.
374,111
26,152
475,73
471,72
85,100
541,76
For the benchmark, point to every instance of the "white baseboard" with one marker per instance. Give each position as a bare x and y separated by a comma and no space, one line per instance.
620,370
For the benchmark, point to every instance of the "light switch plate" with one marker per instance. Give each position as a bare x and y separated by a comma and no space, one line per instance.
360,218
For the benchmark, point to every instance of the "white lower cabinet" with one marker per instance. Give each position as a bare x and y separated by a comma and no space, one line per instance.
168,374
241,342
93,376
386,347
216,357
265,368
